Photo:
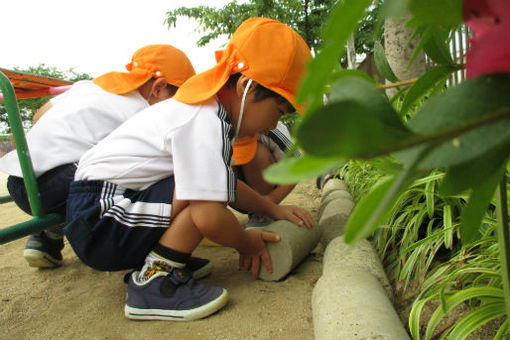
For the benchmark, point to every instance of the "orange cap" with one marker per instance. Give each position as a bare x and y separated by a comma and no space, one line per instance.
265,50
152,61
244,150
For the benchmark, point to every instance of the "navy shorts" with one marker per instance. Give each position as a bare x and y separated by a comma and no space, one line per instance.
53,187
111,228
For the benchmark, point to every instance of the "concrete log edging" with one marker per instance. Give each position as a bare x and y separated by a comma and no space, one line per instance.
294,246
352,298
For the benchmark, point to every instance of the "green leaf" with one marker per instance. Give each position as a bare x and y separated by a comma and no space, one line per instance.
430,197
439,12
345,129
365,92
396,8
425,83
502,331
468,175
448,226
359,225
340,25
476,208
293,170
477,318
375,207
414,318
436,46
463,108
457,298
382,63
358,122
350,73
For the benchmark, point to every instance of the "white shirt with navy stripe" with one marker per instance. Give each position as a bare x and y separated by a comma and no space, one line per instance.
77,120
278,141
191,142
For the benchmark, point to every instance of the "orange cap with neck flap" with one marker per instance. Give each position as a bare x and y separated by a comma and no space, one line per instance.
270,53
152,61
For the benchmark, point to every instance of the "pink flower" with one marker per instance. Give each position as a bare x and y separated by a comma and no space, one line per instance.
490,46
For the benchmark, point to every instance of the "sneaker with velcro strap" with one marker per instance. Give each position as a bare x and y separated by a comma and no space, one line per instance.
173,295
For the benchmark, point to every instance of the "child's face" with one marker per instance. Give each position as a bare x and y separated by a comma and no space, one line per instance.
263,115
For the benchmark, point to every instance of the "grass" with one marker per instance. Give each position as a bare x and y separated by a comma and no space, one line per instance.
421,250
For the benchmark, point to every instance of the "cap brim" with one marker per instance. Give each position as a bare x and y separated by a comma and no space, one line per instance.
291,98
122,82
203,86
244,150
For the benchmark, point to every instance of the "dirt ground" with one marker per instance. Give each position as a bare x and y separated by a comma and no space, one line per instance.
77,302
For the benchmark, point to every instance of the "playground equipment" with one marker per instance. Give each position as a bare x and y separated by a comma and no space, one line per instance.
17,85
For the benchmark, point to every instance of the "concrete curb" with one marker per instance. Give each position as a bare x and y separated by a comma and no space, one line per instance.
352,299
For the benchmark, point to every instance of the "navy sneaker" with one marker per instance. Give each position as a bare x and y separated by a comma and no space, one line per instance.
42,251
199,267
172,296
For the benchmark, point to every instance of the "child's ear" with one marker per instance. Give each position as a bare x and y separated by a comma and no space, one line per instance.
158,85
242,82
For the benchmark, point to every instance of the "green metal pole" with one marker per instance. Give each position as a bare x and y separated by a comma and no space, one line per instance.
11,105
5,199
36,224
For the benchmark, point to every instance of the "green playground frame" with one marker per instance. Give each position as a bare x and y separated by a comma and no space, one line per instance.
39,221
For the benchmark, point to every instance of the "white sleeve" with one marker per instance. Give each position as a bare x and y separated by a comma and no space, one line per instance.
202,150
278,141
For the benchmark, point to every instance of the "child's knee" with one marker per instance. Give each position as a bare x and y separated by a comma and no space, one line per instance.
263,158
178,206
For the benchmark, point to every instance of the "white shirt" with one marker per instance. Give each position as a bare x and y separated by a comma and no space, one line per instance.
191,142
77,120
278,141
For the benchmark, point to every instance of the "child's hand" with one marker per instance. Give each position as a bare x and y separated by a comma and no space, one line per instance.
295,215
250,258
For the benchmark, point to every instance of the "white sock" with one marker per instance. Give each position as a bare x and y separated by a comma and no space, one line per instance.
155,263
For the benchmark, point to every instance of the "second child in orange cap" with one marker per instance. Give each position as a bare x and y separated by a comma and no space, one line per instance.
73,122
146,195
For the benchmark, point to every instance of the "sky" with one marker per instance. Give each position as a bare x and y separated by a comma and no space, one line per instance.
96,36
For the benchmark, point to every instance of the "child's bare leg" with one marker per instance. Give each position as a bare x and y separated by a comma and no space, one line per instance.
182,235
177,242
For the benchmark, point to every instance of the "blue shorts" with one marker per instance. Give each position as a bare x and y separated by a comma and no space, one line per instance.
53,188
112,228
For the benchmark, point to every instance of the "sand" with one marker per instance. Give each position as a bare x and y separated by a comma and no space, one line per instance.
77,302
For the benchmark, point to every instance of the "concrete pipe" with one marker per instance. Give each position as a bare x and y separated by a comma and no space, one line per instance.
295,244
332,185
334,218
342,258
354,306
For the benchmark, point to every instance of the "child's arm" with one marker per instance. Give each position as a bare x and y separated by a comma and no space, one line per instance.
219,225
280,192
248,199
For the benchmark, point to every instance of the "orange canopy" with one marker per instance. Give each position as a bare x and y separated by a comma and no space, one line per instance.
31,86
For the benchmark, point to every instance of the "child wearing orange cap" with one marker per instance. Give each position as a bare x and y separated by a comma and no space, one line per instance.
75,121
146,195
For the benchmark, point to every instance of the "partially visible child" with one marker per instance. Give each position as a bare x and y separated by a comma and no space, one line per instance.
271,148
73,122
147,194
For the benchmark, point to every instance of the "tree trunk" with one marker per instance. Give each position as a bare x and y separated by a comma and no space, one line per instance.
399,50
